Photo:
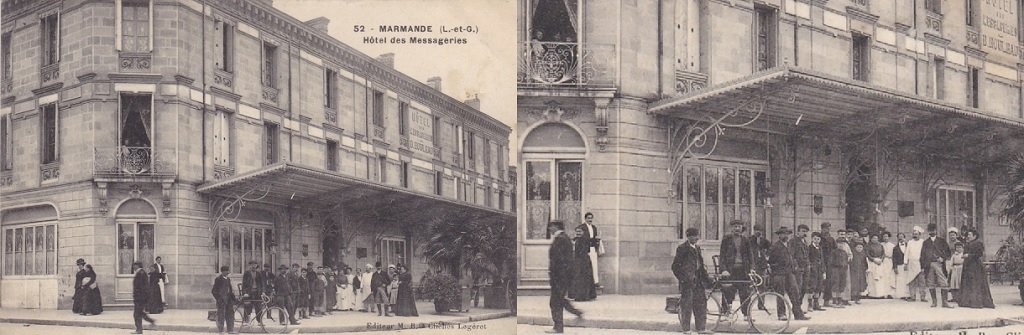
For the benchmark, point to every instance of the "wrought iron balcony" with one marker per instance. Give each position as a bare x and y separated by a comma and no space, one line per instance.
49,73
558,64
378,132
124,161
437,152
403,142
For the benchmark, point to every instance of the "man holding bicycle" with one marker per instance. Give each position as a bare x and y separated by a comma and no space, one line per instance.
736,259
252,288
688,267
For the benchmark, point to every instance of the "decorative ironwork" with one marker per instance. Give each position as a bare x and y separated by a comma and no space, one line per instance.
562,64
6,178
862,3
471,164
135,62
456,159
403,142
973,36
49,171
49,73
221,172
270,94
131,161
229,208
437,152
933,21
223,78
687,82
330,115
378,132
7,86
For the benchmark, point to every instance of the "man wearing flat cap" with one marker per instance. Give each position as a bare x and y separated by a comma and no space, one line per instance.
736,260
782,266
283,294
828,243
688,267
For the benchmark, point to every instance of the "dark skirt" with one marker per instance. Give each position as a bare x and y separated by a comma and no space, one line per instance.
78,300
974,288
406,302
154,305
583,288
858,274
837,278
93,302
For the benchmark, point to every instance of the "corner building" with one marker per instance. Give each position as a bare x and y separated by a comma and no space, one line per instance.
662,115
213,133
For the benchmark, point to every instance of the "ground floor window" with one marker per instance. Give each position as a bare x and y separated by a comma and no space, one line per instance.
30,250
954,207
237,244
554,191
714,193
136,241
392,252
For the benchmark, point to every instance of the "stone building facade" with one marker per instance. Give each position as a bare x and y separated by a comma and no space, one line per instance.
214,133
662,115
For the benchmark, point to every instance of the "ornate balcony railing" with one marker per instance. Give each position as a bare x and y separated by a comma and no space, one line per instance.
270,94
437,152
553,64
6,178
6,86
403,142
933,22
223,78
124,161
378,132
138,62
49,171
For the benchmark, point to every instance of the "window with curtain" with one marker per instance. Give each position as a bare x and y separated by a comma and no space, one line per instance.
30,250
50,29
554,20
330,86
554,191
269,55
51,133
403,118
269,143
766,47
5,49
953,208
860,50
135,25
136,241
711,195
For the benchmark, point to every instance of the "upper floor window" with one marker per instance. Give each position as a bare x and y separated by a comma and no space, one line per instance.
403,119
934,6
861,48
51,133
136,120
382,168
332,155
224,43
330,86
135,26
487,156
460,139
939,79
438,182
501,199
5,49
1020,21
378,108
404,174
554,20
50,28
765,38
971,12
269,55
6,143
222,137
270,143
973,85
436,130
470,146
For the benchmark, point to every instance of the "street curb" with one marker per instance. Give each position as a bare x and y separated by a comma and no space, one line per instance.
845,328
250,329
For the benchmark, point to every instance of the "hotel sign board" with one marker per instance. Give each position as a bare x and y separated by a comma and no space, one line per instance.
999,31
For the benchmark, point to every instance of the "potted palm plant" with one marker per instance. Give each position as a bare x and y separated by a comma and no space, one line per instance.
443,289
462,244
1012,252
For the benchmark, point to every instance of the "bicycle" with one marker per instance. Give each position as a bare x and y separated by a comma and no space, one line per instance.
761,307
274,318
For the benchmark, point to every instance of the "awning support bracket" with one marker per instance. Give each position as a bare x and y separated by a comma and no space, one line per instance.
228,208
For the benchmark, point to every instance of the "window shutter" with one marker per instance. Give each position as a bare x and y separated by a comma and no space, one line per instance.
118,21
218,44
225,132
57,45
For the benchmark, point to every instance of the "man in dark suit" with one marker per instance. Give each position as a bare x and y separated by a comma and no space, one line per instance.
814,281
934,253
296,280
140,294
252,290
782,267
800,255
560,267
828,243
379,284
283,293
311,281
759,245
268,279
225,300
688,267
735,261
590,235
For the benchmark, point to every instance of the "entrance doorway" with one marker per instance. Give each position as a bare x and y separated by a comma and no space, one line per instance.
860,208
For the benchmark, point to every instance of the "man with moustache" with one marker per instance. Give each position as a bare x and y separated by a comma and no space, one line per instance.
800,252
913,261
828,244
688,267
736,260
759,245
934,253
783,269
283,294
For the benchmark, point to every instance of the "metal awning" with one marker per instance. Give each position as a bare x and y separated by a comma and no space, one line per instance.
297,186
806,102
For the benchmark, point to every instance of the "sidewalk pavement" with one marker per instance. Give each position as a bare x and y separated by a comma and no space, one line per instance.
647,312
195,320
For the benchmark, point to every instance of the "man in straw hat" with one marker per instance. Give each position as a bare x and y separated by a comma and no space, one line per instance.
782,266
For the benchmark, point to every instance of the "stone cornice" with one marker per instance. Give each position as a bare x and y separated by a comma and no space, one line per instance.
975,52
273,21
936,39
860,14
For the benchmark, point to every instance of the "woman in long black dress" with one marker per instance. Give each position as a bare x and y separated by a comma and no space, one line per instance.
79,298
974,289
93,303
406,300
154,305
582,288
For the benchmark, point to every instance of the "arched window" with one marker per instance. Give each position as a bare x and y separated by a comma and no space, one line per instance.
30,241
136,234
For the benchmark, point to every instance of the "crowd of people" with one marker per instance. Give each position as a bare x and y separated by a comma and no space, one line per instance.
147,291
315,291
837,272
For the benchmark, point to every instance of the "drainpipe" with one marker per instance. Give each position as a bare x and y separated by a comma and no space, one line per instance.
291,149
203,103
661,50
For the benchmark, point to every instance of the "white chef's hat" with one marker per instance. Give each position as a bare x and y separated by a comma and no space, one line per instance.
918,229
952,229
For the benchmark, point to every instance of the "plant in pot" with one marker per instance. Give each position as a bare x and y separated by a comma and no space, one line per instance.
1012,251
443,289
460,243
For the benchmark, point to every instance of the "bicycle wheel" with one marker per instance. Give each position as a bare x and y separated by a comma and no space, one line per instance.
715,316
765,316
275,320
239,321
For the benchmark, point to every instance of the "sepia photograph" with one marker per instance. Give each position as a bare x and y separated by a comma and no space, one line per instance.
257,166
770,166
